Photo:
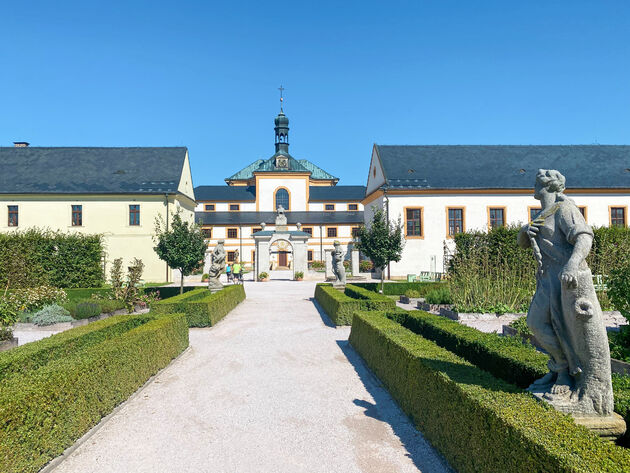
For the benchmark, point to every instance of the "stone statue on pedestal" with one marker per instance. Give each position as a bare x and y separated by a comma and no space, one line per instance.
281,219
337,265
565,315
217,266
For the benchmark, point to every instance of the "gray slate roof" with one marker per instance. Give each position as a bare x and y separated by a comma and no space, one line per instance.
35,170
326,193
290,232
223,193
254,218
503,166
226,193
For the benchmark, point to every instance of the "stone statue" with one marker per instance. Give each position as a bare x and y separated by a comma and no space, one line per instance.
337,265
281,219
565,315
217,266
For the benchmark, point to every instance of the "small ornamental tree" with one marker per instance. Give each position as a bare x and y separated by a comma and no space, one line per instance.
182,246
381,241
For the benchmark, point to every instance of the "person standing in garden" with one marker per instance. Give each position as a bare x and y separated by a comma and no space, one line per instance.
236,272
228,272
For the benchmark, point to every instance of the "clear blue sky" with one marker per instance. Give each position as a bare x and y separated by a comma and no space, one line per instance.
205,75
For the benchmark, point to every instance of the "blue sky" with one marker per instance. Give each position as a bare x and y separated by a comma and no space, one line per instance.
205,75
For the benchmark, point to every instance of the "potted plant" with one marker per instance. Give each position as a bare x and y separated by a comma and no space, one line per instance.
204,277
262,277
299,275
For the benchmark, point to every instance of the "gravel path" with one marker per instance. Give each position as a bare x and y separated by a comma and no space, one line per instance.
274,387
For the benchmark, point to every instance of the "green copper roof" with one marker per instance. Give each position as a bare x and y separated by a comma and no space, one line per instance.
295,165
316,171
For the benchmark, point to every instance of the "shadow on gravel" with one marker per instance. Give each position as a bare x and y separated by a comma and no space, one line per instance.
322,314
385,409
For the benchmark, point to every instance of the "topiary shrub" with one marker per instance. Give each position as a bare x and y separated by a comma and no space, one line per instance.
51,314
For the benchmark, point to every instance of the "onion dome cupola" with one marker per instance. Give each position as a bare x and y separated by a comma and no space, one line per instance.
282,133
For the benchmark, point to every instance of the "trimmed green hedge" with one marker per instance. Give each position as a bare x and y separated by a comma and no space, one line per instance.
399,288
86,293
202,308
357,292
46,408
168,291
478,422
340,306
505,357
31,356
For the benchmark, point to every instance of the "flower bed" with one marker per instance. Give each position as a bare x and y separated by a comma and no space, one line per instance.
53,391
478,422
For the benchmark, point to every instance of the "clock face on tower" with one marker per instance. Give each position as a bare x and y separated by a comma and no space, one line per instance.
282,162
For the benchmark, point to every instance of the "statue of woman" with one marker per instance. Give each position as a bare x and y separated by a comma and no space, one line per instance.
337,264
564,315
217,266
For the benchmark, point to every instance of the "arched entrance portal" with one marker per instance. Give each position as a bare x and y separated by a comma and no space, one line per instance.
281,255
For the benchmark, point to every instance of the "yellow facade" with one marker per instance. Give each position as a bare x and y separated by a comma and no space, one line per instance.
108,215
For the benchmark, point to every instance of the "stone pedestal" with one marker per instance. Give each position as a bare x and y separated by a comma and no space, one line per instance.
354,262
608,428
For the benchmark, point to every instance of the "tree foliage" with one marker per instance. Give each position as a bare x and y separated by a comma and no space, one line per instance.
181,246
381,241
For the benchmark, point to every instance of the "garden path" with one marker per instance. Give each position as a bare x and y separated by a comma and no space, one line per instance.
274,387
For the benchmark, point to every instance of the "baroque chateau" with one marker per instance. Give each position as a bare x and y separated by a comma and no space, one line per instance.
435,191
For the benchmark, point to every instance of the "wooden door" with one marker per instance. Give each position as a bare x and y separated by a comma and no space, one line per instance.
282,259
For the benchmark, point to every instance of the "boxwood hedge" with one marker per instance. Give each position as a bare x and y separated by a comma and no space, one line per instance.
505,357
478,422
399,288
201,307
45,409
340,306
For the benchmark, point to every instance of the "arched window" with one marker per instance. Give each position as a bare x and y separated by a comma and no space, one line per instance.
282,198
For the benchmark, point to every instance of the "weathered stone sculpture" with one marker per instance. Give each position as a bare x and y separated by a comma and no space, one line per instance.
217,266
281,219
337,265
565,315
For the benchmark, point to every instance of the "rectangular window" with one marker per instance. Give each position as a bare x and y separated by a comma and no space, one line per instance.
582,209
235,206
256,229
355,232
533,211
331,232
231,256
617,216
496,217
329,207
308,230
77,215
310,255
413,219
209,207
206,232
232,232
134,215
353,206
455,221
13,216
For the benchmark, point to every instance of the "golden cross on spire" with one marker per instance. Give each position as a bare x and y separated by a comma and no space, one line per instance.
281,89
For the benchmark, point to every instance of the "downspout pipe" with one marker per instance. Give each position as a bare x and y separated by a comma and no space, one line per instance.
167,217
